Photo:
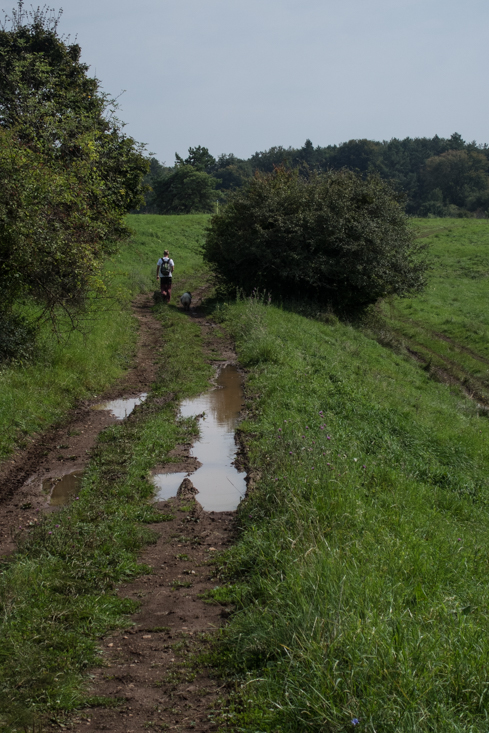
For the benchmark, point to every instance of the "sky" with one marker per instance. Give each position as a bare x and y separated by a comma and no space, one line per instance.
240,76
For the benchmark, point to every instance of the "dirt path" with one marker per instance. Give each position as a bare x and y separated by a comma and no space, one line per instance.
152,671
149,671
66,447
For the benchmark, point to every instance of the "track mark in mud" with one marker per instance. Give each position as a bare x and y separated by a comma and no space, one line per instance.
151,671
66,448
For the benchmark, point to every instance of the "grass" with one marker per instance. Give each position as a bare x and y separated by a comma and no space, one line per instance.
57,595
360,578
448,325
82,364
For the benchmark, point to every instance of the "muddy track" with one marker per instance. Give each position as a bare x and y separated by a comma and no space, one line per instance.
66,447
148,671
152,671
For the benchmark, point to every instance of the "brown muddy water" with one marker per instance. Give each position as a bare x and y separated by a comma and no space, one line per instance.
62,489
221,487
123,407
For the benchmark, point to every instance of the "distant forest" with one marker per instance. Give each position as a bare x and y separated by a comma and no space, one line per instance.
438,176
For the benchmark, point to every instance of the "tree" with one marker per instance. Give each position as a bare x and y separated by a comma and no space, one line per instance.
68,173
336,237
199,158
461,176
185,191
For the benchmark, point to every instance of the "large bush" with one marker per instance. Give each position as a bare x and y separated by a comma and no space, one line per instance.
338,238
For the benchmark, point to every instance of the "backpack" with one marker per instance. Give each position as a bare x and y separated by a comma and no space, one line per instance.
165,268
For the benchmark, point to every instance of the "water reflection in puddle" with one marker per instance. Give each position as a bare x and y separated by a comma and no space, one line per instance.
168,483
63,489
220,486
123,407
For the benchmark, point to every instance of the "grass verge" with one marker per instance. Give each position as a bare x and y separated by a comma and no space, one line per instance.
360,579
58,593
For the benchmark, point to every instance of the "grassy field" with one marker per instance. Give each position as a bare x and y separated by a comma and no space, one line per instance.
360,578
36,394
448,326
360,575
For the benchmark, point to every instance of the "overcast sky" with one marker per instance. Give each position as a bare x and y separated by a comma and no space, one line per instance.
243,75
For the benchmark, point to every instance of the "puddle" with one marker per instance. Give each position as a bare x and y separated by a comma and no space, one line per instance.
63,489
168,483
123,407
220,486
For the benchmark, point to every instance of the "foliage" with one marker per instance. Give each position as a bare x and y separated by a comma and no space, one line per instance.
17,337
415,166
358,580
186,190
462,178
68,172
336,238
199,158
155,173
411,164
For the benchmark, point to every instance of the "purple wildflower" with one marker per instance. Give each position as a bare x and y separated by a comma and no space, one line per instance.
355,721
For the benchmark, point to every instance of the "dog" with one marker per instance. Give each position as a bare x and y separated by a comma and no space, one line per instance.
185,300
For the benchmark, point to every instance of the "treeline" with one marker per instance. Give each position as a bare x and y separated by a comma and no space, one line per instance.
438,176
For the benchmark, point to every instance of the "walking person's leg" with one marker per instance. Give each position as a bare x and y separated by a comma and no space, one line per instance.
165,283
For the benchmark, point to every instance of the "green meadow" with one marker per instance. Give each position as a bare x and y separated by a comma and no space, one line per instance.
448,325
360,576
81,364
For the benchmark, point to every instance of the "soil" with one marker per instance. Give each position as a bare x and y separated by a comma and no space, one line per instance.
151,671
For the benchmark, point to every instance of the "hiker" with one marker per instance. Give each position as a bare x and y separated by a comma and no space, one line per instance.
164,269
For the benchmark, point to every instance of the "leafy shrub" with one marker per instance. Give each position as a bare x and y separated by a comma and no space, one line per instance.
337,238
17,337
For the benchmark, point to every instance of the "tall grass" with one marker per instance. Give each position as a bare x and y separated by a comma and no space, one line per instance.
82,363
360,578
